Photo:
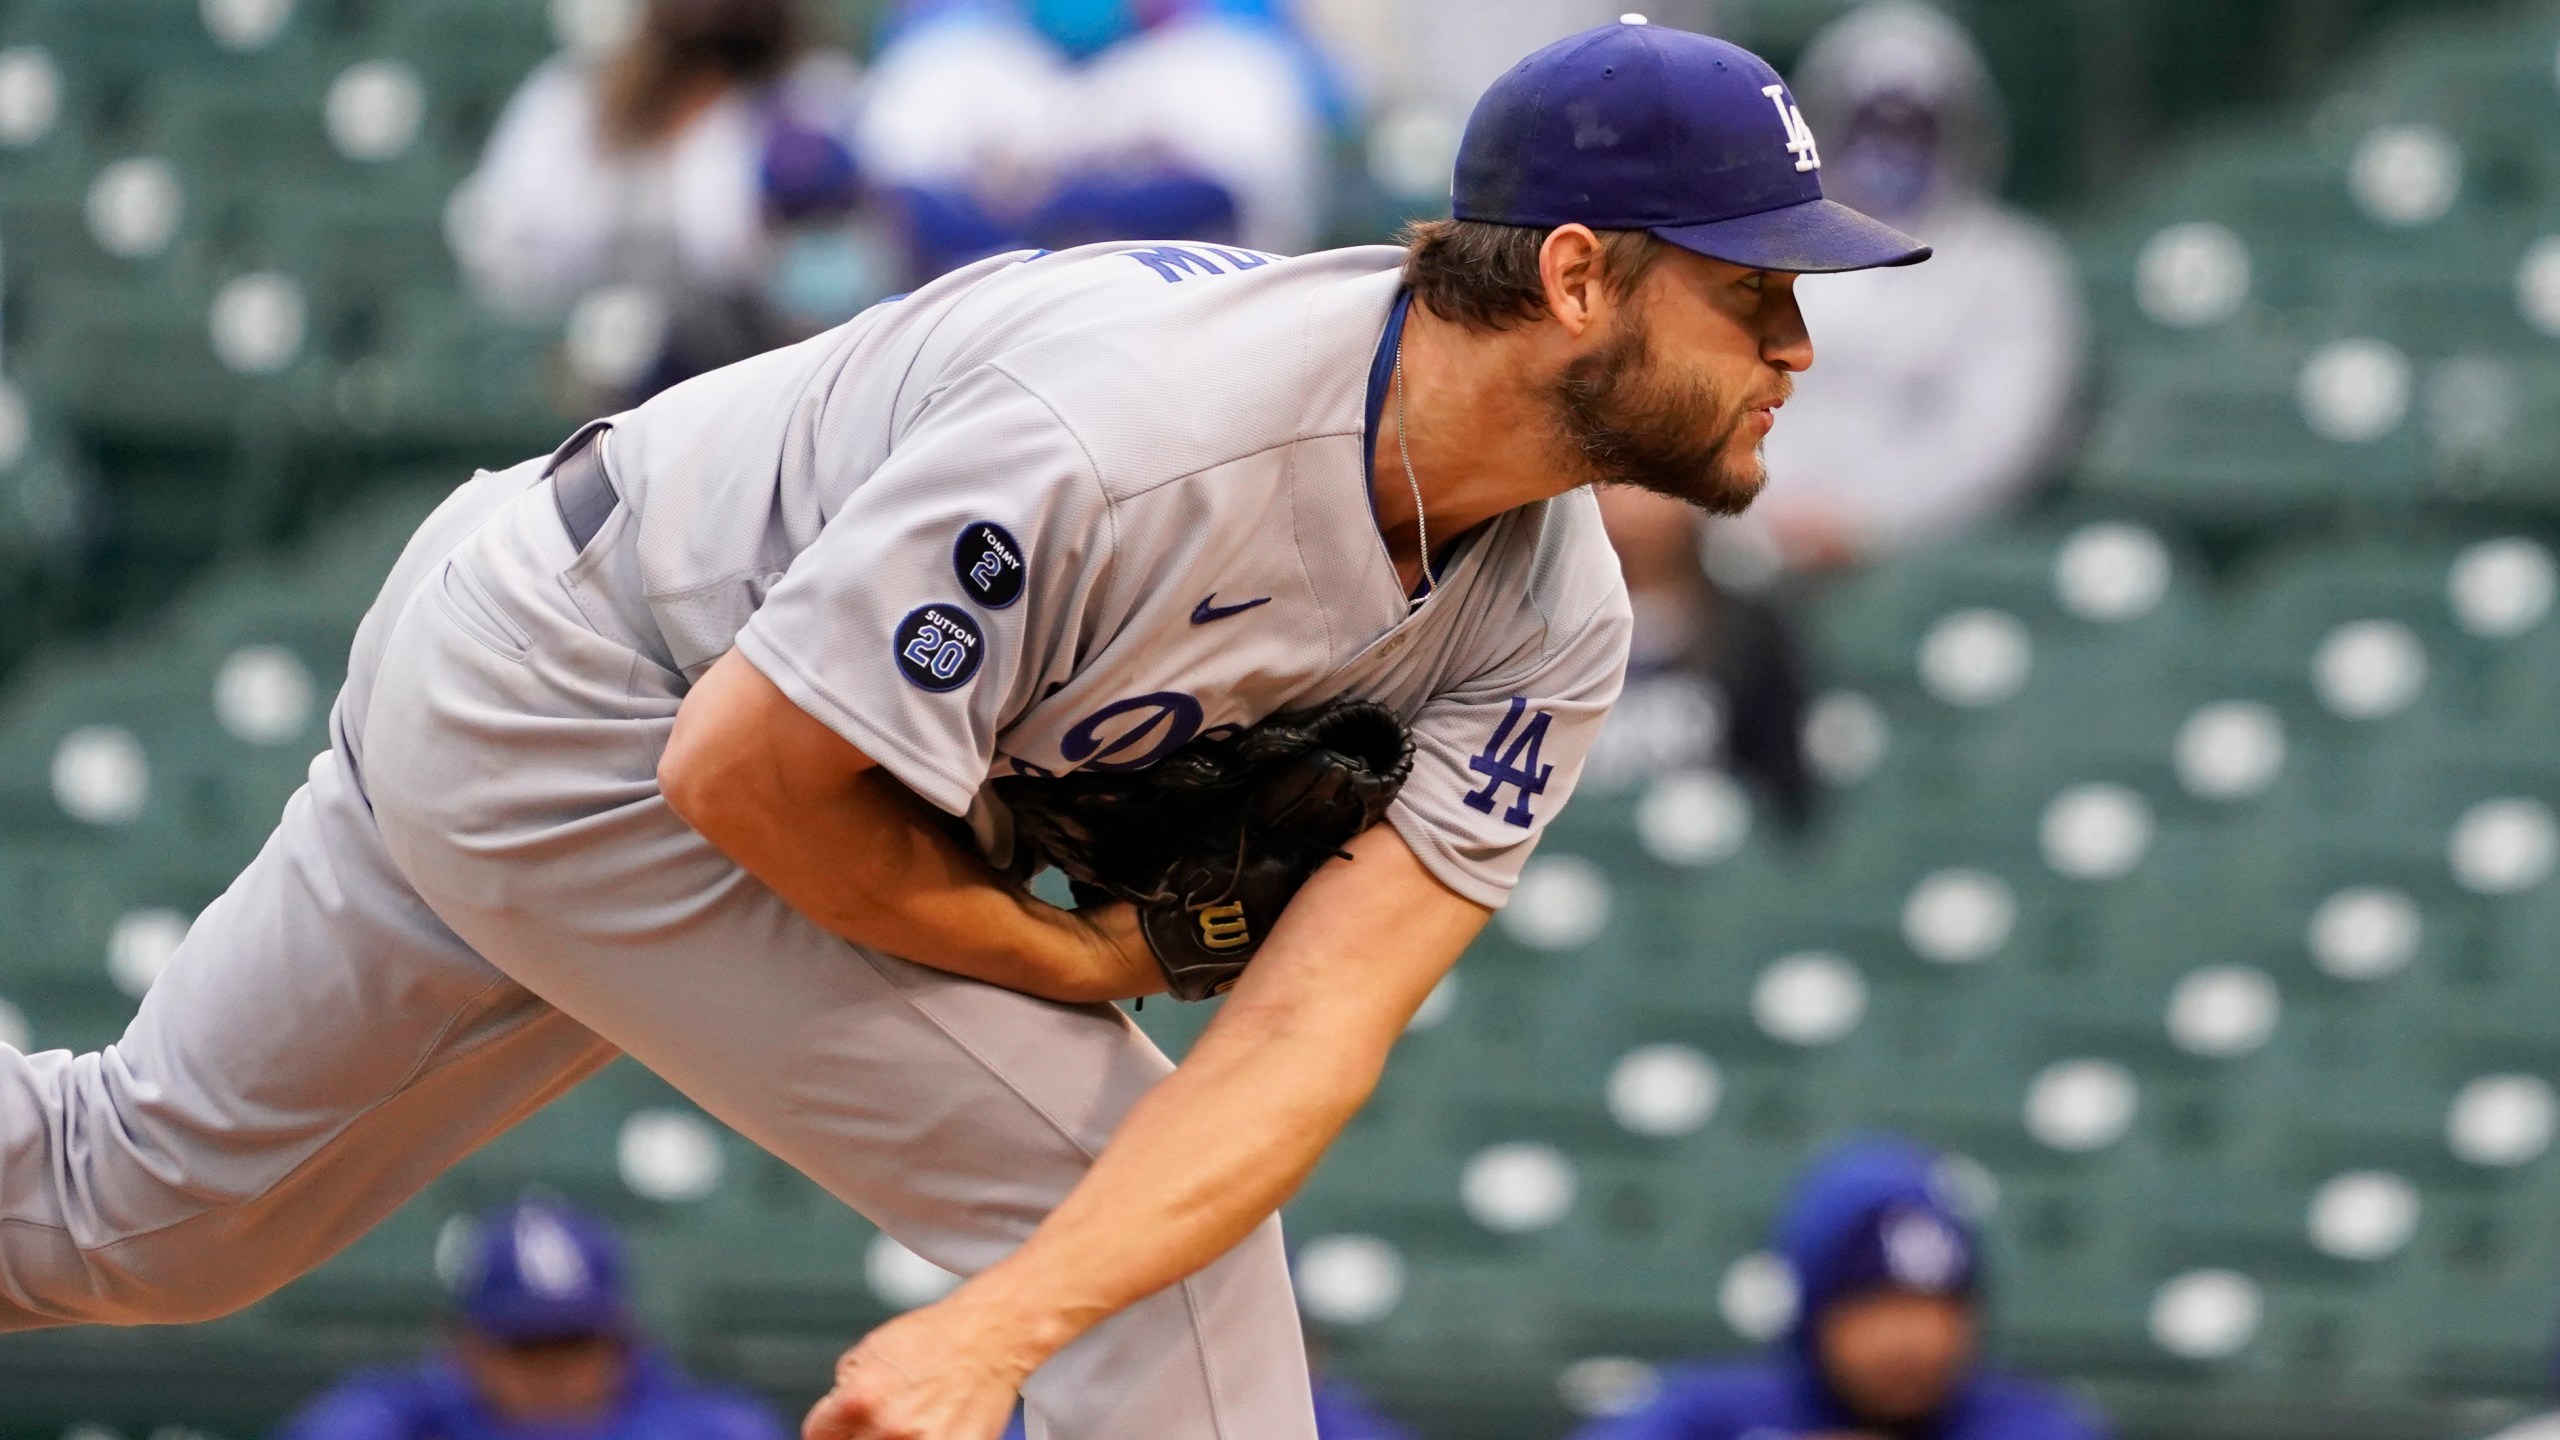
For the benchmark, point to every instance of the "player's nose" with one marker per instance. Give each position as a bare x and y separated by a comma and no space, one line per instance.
1785,343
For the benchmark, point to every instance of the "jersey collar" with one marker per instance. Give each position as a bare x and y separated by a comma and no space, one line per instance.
1382,376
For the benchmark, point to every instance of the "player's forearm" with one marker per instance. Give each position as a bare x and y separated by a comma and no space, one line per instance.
862,856
1202,1160
1216,1148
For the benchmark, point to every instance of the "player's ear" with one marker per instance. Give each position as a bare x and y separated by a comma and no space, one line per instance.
1574,268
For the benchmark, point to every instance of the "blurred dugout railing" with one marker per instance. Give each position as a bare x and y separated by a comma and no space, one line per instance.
2187,872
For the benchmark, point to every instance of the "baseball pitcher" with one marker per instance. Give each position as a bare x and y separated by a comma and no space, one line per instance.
1262,596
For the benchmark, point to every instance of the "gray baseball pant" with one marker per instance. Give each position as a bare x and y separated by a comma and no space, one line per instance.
477,901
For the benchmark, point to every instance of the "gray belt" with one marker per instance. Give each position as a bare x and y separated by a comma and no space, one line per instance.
583,491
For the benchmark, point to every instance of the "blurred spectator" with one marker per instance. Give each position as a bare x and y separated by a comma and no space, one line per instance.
1887,1320
543,1349
960,126
1713,678
1941,391
1186,119
1223,91
708,162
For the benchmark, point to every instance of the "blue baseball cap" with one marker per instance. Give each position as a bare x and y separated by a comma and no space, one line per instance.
542,1270
1640,127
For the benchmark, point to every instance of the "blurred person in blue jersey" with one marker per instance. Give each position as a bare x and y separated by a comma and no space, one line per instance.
544,1348
707,161
1885,1341
1000,125
960,127
1230,93
1946,390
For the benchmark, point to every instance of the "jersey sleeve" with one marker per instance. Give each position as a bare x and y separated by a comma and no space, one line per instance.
1496,757
948,593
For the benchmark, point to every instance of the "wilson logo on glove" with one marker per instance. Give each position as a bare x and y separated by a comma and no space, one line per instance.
1212,843
1224,926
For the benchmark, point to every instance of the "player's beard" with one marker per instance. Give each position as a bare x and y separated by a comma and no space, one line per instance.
1631,421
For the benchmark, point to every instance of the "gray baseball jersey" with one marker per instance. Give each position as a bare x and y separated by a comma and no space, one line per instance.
1072,510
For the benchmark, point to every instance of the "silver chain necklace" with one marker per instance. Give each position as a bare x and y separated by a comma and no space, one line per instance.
1404,452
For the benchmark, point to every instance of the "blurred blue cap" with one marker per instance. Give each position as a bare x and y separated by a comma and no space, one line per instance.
542,1270
1639,127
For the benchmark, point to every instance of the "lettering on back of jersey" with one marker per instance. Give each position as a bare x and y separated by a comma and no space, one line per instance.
1176,263
1511,758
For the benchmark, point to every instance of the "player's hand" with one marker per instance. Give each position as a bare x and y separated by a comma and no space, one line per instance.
926,1375
1119,952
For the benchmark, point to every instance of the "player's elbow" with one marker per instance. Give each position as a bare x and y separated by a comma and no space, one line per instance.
688,775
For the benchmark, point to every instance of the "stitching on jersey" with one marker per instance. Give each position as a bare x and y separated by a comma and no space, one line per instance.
1298,547
1095,466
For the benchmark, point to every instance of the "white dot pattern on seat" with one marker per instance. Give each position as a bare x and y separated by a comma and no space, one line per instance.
133,207
2365,932
246,24
1606,1386
1809,998
2079,1106
17,429
671,1156
2111,572
2363,1215
2222,1012
2504,846
30,96
1664,1090
100,775
1349,1279
2370,669
374,110
140,947
1957,917
2096,831
2355,391
1695,817
1976,658
2502,588
257,323
902,1279
2192,275
1517,1187
2206,1314
2406,175
263,695
2538,285
2502,1121
1758,1296
1561,903
2230,750
1845,737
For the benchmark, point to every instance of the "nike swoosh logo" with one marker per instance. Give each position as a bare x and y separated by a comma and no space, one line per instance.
1210,610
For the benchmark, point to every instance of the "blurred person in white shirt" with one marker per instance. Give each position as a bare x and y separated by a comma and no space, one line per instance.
960,126
685,163
1944,391
1226,91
